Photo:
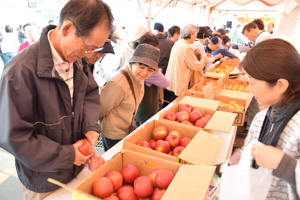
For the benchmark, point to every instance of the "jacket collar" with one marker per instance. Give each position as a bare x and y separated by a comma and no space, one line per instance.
45,65
160,36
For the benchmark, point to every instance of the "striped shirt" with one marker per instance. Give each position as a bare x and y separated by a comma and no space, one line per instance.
64,69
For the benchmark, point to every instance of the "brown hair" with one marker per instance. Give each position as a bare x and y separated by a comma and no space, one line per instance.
218,35
221,31
260,24
275,59
87,14
249,26
147,38
173,30
225,39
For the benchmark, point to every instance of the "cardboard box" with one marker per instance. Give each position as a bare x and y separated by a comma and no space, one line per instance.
220,121
193,180
211,74
205,144
191,93
238,83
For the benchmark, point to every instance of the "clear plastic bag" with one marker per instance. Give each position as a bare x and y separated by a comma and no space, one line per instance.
96,160
213,189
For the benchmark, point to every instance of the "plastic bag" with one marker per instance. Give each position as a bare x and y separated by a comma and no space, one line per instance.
213,189
241,181
96,160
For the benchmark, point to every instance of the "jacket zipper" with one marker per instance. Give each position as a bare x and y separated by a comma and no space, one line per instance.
271,128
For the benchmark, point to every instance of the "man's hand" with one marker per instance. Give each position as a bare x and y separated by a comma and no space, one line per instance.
266,156
219,55
92,137
79,158
209,55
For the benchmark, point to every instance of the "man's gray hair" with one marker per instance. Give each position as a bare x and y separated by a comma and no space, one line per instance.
187,30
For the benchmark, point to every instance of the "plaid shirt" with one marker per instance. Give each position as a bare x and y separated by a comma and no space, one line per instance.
289,143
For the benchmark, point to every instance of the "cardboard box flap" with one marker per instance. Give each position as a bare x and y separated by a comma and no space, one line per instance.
197,102
208,91
248,100
221,121
191,182
234,94
202,149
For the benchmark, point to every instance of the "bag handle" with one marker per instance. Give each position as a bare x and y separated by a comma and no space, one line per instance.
245,160
130,84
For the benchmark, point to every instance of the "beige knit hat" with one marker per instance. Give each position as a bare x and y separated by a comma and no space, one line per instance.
137,33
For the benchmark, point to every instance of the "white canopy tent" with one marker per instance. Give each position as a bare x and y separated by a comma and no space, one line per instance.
286,12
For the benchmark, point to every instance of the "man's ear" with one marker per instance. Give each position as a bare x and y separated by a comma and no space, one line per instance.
282,85
67,27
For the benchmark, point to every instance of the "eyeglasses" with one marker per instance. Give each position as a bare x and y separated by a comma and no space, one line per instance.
87,50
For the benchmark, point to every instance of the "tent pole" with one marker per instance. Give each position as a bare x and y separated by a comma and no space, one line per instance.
162,9
149,15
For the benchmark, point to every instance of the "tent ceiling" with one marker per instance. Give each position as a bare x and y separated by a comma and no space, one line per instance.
218,2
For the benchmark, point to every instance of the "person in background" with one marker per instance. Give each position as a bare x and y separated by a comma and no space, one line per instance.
215,47
127,50
221,31
228,32
254,34
122,94
236,35
31,33
278,127
51,22
203,36
104,67
165,46
150,102
225,41
270,27
49,99
3,56
96,64
10,43
21,34
260,24
183,63
174,33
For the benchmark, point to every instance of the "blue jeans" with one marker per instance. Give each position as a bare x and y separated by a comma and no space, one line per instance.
3,58
9,56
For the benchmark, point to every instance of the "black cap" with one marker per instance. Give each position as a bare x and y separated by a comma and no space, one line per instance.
203,33
158,26
107,48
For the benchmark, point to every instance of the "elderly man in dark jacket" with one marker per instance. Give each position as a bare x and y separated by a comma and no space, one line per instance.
49,99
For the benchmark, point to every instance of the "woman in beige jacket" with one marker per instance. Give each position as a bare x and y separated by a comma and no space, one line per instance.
183,62
118,104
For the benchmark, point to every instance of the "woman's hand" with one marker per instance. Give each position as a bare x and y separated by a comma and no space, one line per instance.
266,156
